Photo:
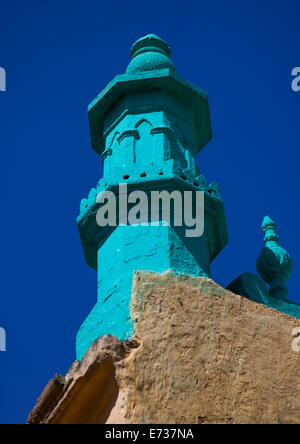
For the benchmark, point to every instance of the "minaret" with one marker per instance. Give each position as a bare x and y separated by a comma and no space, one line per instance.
148,125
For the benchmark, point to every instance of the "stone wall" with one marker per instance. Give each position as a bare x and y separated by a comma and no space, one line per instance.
200,354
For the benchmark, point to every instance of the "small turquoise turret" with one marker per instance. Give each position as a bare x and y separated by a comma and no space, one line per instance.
148,125
274,263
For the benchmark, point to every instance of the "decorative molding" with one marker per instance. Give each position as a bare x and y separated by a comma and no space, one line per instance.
129,133
163,130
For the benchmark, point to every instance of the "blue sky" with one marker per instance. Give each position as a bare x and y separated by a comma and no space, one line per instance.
58,55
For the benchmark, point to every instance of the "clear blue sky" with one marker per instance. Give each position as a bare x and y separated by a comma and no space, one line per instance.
58,55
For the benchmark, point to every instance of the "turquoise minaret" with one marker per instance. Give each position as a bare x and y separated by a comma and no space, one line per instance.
148,125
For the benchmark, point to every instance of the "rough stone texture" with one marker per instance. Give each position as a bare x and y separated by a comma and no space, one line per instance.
89,390
200,354
48,400
207,356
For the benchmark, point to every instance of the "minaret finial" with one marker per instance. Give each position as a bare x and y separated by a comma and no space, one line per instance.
269,228
274,263
150,53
